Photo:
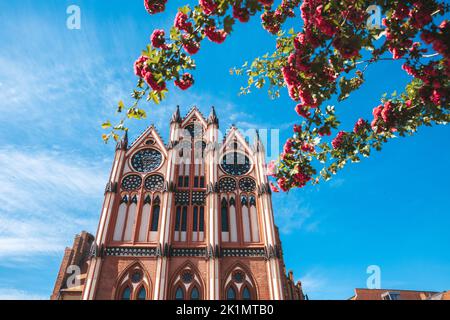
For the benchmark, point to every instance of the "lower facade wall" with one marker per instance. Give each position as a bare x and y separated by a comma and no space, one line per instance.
113,269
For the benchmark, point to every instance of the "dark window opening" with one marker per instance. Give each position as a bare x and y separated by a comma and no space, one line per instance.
224,216
177,219
155,219
202,220
126,294
195,294
142,294
184,219
231,294
179,294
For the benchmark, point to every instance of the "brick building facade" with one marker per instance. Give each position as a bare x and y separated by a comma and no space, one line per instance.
191,219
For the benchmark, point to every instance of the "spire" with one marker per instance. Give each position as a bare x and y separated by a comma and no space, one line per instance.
176,118
212,119
258,143
122,144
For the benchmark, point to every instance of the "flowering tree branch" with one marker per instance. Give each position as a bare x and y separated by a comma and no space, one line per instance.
327,58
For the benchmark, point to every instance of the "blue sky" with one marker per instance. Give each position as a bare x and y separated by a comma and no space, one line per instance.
58,85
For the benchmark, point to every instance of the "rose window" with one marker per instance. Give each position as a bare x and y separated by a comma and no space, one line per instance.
227,184
131,182
146,160
247,184
236,164
154,183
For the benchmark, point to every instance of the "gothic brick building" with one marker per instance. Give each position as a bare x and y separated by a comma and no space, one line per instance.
192,219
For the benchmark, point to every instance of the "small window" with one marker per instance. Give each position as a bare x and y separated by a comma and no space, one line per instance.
126,294
184,219
179,294
231,294
224,215
195,294
142,294
186,181
155,219
202,182
195,182
195,219
178,219
391,296
180,181
201,227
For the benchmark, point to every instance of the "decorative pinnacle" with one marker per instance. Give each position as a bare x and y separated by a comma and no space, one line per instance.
176,118
212,119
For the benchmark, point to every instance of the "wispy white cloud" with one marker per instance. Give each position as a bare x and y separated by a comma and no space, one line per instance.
15,294
47,197
314,282
292,216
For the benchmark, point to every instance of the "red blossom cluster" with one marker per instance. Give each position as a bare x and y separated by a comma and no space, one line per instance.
324,131
208,6
300,179
185,82
155,6
385,117
217,36
181,22
360,126
272,20
153,83
431,76
141,70
439,41
339,140
157,39
190,45
242,14
266,3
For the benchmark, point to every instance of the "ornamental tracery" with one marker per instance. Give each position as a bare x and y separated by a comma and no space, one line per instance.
247,184
239,285
235,164
186,284
131,182
133,284
227,184
154,182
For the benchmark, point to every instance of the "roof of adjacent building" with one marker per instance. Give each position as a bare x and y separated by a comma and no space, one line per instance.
378,294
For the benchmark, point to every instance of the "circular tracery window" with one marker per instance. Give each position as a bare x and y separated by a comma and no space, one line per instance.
131,182
236,164
146,160
154,183
136,276
247,184
238,276
227,184
187,276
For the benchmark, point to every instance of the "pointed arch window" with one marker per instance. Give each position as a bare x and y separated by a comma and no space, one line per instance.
155,215
231,294
246,295
126,294
142,294
224,216
133,284
195,294
179,294
240,285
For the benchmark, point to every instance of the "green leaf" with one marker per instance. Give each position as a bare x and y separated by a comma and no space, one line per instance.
120,106
106,125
